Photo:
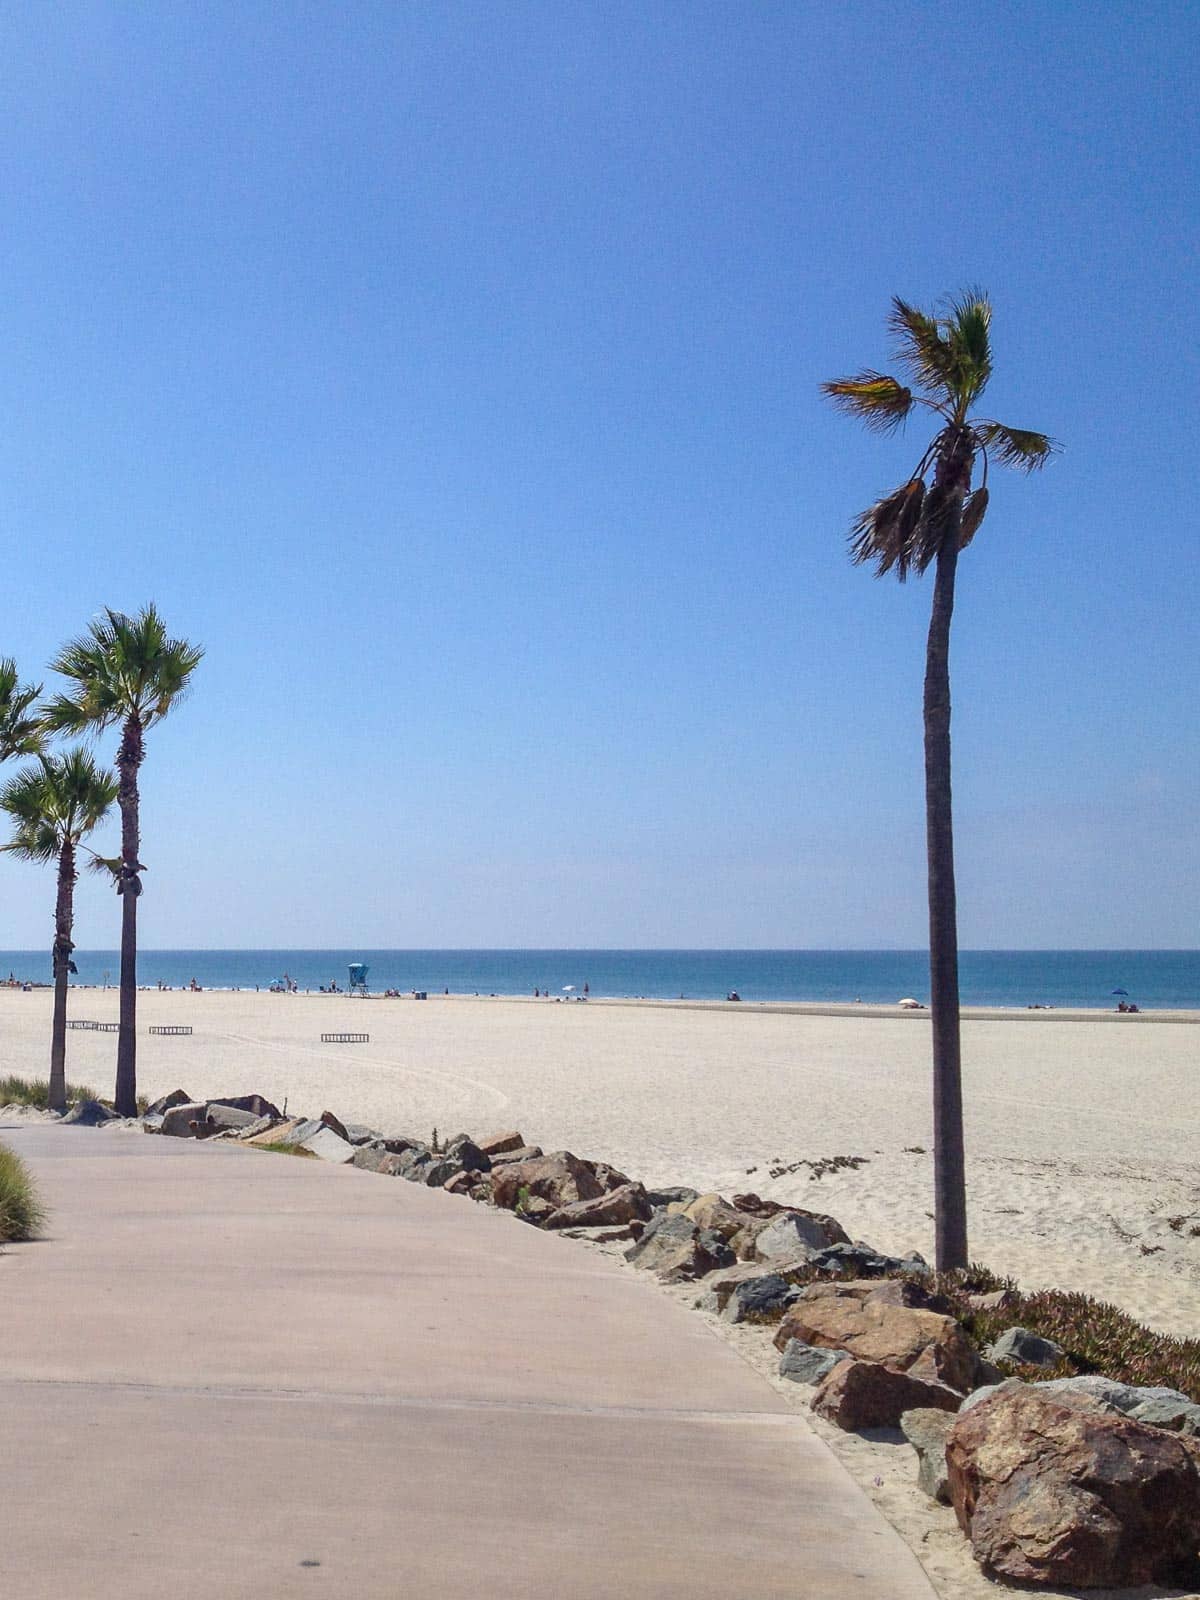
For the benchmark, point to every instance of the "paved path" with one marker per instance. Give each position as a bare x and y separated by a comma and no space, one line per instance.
230,1375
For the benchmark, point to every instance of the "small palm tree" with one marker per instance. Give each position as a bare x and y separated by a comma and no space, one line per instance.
127,672
949,357
54,806
20,727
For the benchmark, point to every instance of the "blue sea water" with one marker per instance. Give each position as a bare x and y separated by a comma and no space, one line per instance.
1154,979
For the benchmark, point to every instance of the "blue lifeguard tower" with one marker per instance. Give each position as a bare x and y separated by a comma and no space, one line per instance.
358,978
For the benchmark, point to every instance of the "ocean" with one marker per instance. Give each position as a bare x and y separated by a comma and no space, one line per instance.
1153,979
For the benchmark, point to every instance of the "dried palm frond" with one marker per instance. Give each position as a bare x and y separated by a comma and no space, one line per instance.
881,402
882,533
974,511
1016,447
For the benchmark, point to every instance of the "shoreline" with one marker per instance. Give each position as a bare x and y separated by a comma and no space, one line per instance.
874,1010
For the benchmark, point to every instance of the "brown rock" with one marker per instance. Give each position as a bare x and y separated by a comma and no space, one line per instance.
498,1144
739,1229
1061,1493
279,1133
560,1179
866,1394
618,1206
873,1330
330,1121
461,1183
754,1206
609,1178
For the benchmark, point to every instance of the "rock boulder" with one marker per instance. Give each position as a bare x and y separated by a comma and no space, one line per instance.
866,1394
793,1233
1052,1491
616,1208
927,1430
874,1330
560,1179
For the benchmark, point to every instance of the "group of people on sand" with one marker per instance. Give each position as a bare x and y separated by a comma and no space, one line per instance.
1123,1005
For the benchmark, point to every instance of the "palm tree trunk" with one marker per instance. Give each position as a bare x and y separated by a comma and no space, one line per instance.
64,916
129,887
949,1166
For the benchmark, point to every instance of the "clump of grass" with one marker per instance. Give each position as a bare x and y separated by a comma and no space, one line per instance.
1095,1335
280,1147
21,1211
35,1092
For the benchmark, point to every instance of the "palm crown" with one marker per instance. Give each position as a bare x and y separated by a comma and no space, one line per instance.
56,803
122,667
20,732
949,358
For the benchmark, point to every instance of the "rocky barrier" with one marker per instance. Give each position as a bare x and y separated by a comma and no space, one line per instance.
1081,1482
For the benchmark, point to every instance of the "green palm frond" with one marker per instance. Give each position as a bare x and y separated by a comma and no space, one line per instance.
879,401
56,803
920,345
21,731
968,332
123,666
949,354
1016,447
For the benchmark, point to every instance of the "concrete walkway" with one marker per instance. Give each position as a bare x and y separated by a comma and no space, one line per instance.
230,1375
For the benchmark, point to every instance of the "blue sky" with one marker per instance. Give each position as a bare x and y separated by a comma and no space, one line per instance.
450,371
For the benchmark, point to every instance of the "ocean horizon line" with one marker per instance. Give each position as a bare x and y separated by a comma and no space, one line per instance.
1089,978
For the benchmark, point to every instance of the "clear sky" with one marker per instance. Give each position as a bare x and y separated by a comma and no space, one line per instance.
450,371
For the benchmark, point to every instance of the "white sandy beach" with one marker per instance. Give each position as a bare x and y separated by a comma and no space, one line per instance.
1082,1132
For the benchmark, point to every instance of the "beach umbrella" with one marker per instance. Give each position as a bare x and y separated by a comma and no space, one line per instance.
568,987
1120,991
909,1004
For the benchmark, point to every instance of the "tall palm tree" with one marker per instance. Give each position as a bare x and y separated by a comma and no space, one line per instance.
20,727
127,672
948,356
54,806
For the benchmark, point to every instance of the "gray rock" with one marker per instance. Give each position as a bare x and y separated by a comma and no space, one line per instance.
926,1430
258,1104
328,1146
759,1299
866,1262
397,1143
413,1163
795,1233
259,1125
222,1118
467,1156
177,1123
177,1097
89,1114
358,1134
679,1196
615,1234
675,1249
808,1363
1029,1349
